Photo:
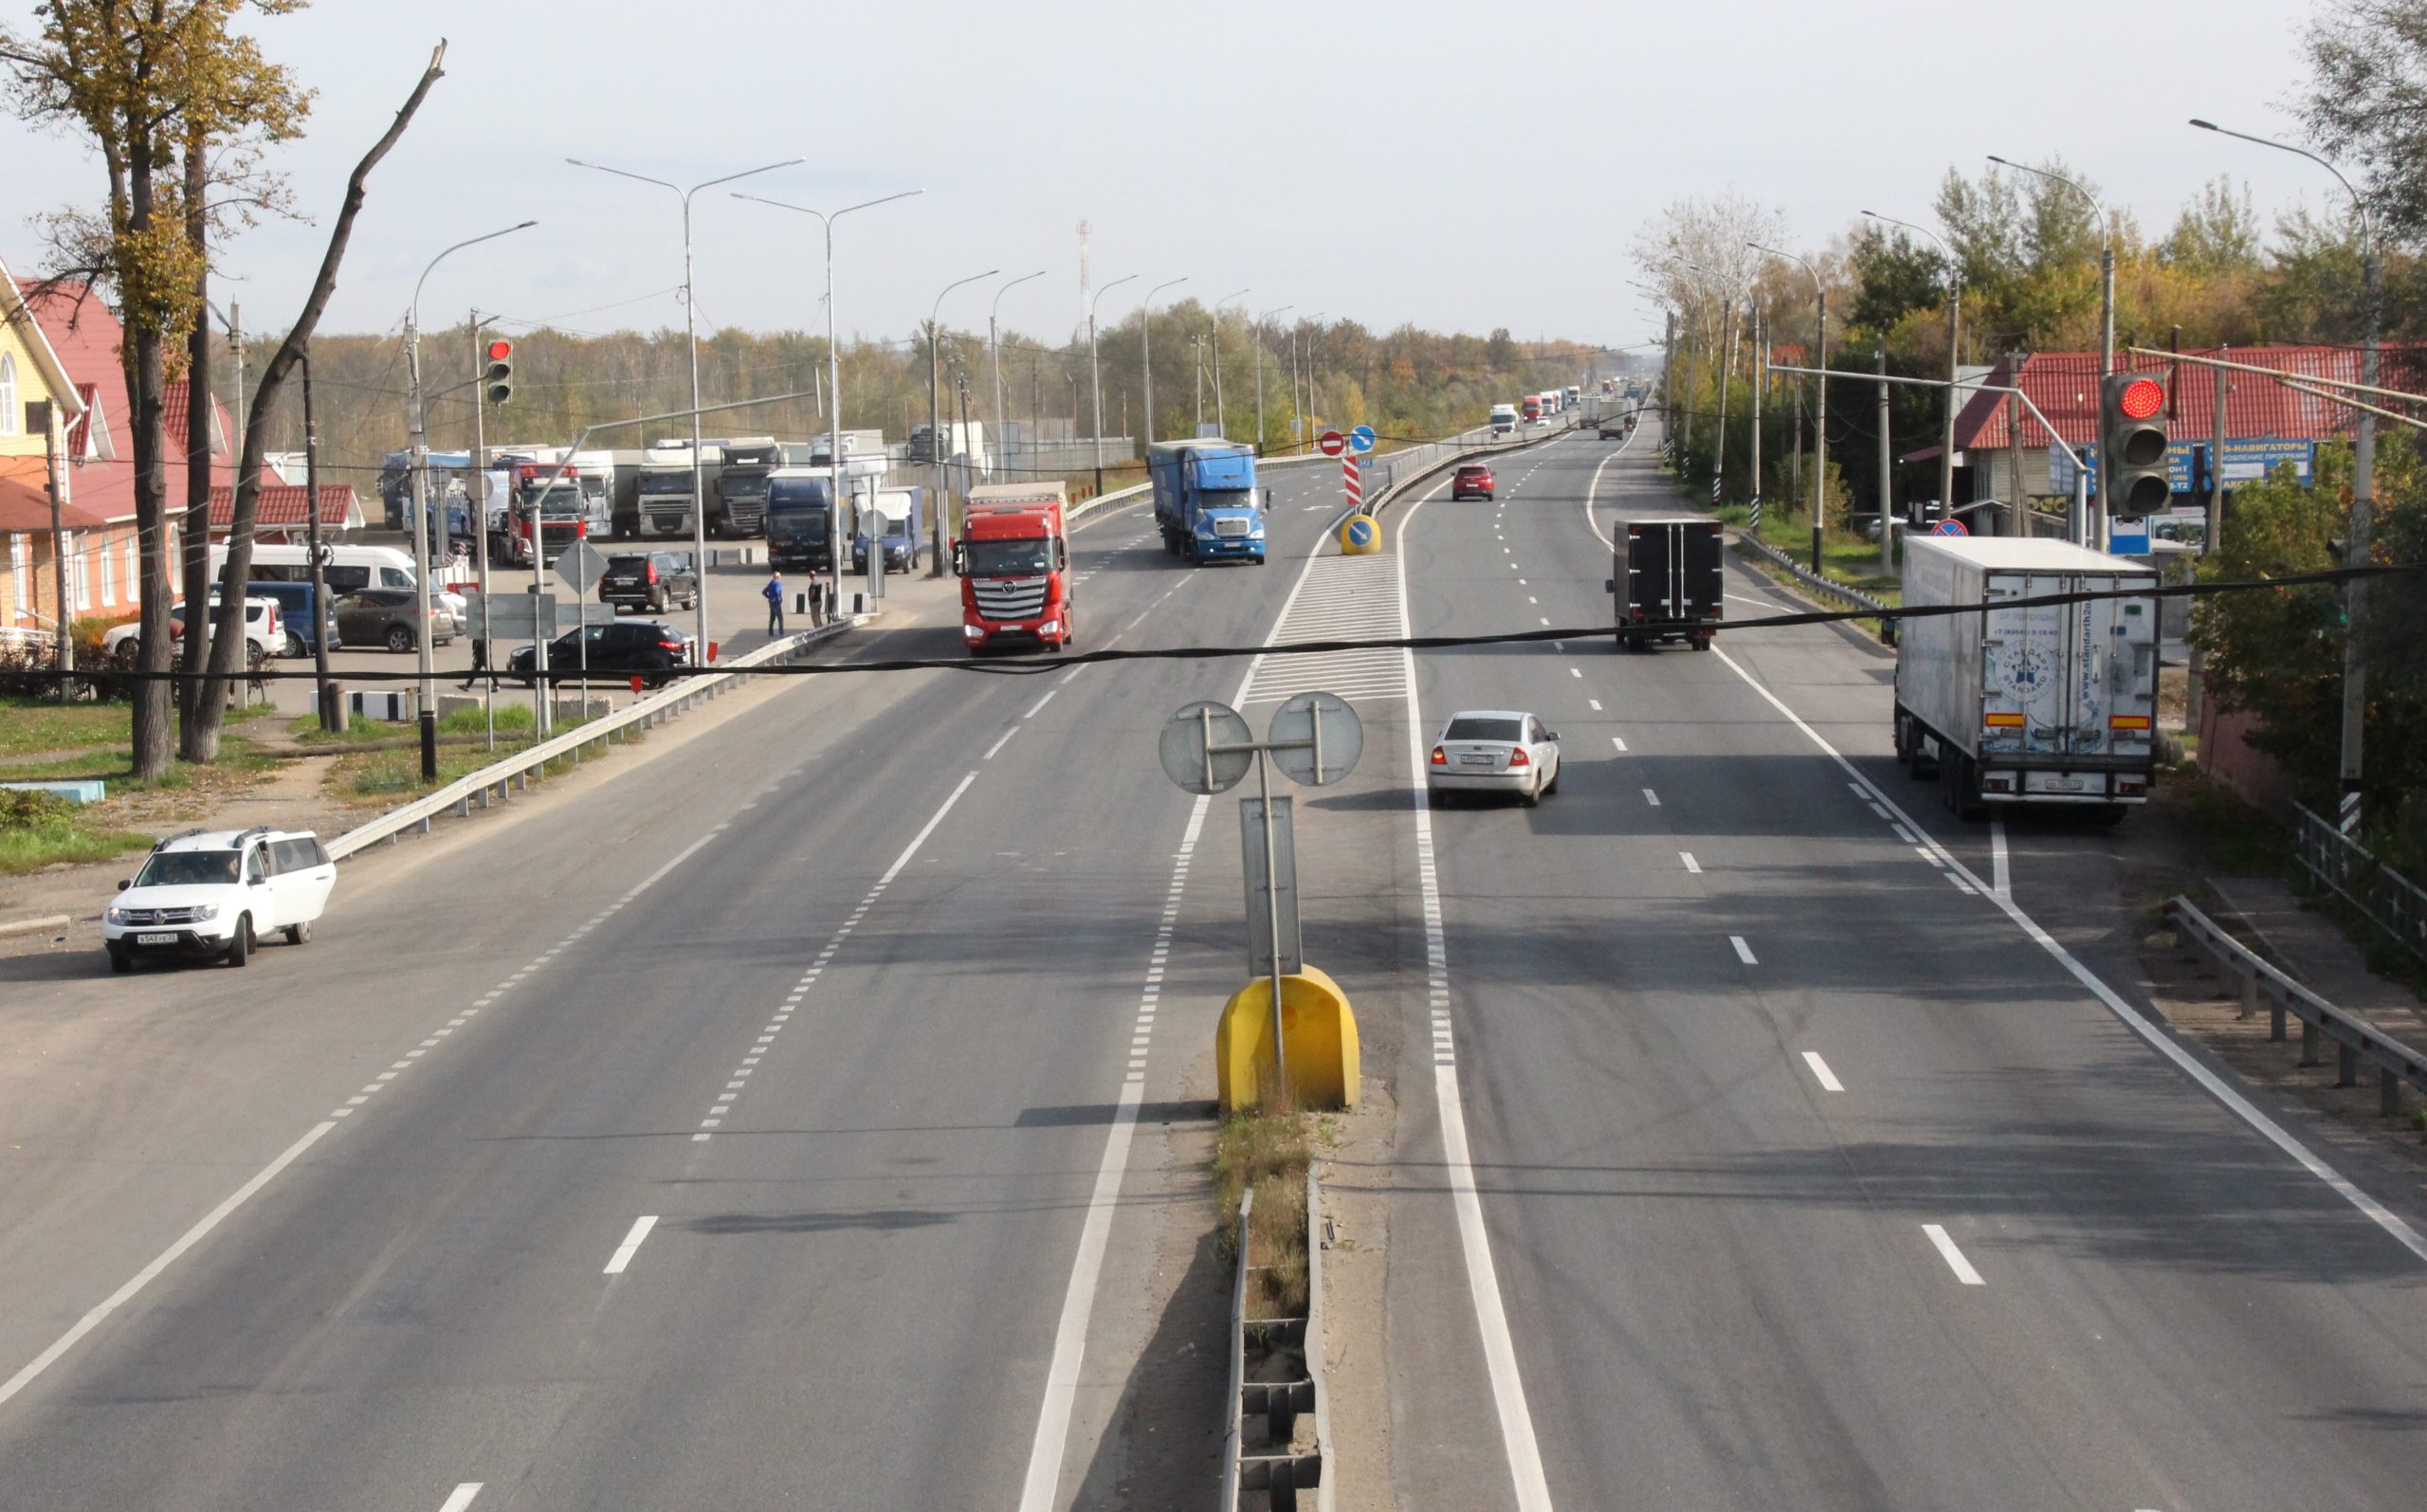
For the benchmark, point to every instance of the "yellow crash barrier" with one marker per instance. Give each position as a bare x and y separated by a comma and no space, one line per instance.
1360,535
1317,1029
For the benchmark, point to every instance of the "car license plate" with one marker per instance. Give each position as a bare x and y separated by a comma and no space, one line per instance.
156,939
1474,760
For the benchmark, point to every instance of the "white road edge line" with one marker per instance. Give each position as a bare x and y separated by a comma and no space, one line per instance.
1997,873
1954,1257
461,1497
921,838
2242,1107
167,1257
630,1247
1532,1486
1821,1073
1691,865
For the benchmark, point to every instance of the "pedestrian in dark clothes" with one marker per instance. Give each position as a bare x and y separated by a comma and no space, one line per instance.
817,601
774,592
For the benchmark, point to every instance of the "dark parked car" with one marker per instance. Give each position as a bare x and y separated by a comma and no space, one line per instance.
646,648
295,614
653,581
386,616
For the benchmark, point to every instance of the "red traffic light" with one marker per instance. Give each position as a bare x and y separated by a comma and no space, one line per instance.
501,351
2142,398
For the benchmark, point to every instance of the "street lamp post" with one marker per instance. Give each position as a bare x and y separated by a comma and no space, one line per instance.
942,502
833,387
1095,371
1221,421
994,349
2363,481
2106,262
427,591
1820,407
1954,307
1146,348
691,331
1259,372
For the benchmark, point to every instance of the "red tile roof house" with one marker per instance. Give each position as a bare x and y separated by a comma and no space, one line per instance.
2064,386
86,336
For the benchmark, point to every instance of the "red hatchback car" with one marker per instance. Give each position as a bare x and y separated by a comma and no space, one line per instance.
1473,482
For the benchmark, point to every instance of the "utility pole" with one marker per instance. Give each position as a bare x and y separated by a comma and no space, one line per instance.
56,478
1726,372
2364,498
1887,530
2019,501
479,485
2194,683
1761,414
323,698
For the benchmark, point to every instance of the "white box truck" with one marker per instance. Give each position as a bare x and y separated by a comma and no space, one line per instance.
2050,703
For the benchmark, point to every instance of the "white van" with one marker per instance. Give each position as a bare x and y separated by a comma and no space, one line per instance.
349,570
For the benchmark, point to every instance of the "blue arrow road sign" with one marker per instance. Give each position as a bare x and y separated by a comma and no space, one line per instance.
1360,531
1361,438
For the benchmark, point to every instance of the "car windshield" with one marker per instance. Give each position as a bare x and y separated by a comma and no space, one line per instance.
1474,727
1000,558
187,869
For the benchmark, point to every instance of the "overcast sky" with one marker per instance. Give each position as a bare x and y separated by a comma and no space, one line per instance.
1462,166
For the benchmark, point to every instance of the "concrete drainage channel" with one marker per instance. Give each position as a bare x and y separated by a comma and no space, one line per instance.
1279,1433
493,783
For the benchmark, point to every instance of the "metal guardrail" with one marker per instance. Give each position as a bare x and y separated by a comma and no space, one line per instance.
1278,1471
647,713
1811,579
2392,902
2355,1039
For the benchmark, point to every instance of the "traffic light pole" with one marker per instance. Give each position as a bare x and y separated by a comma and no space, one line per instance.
480,512
2363,481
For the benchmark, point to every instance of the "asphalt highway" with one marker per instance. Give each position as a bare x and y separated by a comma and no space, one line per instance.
1810,1178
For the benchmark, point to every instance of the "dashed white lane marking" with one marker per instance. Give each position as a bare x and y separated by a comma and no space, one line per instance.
630,1247
2275,1134
1651,798
1821,1073
1999,879
461,1497
1575,671
1596,705
1619,743
1903,833
1000,743
1518,1442
1042,701
1954,1257
1691,865
1743,952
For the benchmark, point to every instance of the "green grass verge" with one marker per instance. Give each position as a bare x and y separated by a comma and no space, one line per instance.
39,829
32,724
381,773
1267,1153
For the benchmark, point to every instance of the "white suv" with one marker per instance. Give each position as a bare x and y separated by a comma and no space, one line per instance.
265,632
210,895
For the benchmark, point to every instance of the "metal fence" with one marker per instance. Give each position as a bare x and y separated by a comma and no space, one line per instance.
1854,597
2355,1039
2394,902
1276,1468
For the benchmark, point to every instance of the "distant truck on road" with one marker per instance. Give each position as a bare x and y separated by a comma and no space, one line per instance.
891,522
2052,704
665,489
1670,572
1504,419
800,520
741,483
1530,408
1013,557
1206,499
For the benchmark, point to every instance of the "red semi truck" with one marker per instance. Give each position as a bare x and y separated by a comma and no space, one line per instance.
1014,556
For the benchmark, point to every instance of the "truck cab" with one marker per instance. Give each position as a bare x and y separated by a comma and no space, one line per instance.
1206,499
741,486
800,520
1504,419
1013,557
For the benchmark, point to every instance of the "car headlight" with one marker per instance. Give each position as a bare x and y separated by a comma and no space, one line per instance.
114,914
204,913
973,632
1256,534
1049,628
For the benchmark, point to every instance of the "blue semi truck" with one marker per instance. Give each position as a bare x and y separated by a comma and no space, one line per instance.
1206,499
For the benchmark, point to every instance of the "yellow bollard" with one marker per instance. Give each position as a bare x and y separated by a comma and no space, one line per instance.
1317,1031
1360,535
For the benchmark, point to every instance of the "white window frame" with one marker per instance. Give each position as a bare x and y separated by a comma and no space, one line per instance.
21,573
11,419
80,580
109,574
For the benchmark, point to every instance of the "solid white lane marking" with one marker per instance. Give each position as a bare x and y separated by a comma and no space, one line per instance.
1820,1071
461,1497
163,1261
1691,865
921,838
1616,742
1903,835
1000,743
1651,798
1998,875
2275,1134
1954,1257
623,1252
1524,1453
1743,952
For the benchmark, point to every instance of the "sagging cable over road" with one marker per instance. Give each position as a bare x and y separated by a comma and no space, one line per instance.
1027,667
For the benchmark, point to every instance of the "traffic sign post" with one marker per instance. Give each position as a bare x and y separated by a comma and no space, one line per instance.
1316,739
1352,482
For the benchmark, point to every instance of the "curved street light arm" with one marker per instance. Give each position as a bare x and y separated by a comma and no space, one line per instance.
415,317
2359,202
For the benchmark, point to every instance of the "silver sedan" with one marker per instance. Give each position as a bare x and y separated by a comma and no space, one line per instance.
1503,750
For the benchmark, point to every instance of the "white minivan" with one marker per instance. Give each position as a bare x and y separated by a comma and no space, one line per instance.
211,895
349,570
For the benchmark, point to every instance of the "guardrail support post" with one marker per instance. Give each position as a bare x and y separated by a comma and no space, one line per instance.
2347,1066
2249,1004
2389,1094
2308,1044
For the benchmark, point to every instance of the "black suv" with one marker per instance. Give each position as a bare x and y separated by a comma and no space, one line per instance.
646,648
652,581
